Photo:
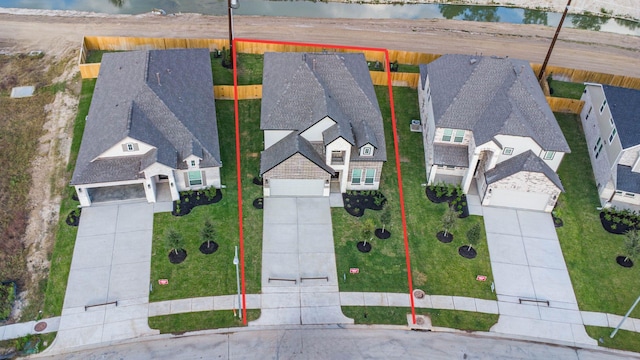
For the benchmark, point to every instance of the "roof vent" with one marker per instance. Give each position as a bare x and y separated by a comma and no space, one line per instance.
473,61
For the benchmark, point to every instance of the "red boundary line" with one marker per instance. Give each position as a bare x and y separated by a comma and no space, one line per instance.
395,145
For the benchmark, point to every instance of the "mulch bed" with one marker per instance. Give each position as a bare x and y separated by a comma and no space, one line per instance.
462,208
621,261
382,234
444,239
466,252
191,199
364,247
73,219
557,222
258,203
257,181
355,202
615,227
208,247
176,257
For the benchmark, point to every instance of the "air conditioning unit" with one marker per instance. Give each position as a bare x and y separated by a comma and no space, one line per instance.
415,126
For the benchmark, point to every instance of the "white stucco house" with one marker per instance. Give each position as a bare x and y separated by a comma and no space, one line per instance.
486,123
151,125
611,122
322,125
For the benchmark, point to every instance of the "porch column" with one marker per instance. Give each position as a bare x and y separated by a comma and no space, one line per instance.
173,187
466,181
150,190
83,196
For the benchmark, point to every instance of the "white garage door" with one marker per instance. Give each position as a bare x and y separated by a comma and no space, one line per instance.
296,187
519,200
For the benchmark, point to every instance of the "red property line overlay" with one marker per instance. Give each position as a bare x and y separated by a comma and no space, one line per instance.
395,146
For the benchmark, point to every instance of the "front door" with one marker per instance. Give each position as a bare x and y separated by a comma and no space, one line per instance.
335,182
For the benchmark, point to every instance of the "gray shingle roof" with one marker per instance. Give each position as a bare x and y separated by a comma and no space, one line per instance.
287,147
527,161
452,155
625,109
300,89
160,97
491,96
628,180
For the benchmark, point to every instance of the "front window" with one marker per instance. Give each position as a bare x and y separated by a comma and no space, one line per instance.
356,176
459,136
367,151
507,151
369,176
446,136
548,155
456,135
337,157
195,178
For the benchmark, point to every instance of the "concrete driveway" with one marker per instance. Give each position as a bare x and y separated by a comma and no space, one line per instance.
111,263
535,294
299,277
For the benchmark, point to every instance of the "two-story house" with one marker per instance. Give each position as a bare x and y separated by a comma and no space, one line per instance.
151,125
486,123
323,129
611,122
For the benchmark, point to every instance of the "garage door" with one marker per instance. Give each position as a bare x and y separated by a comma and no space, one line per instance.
296,187
519,200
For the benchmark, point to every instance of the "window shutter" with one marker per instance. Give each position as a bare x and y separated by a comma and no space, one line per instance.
124,147
135,147
204,178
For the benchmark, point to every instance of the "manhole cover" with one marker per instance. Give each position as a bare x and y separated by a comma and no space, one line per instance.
420,321
40,326
418,294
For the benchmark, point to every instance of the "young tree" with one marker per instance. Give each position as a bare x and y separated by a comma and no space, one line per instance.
473,235
631,245
449,219
385,216
208,232
367,228
174,240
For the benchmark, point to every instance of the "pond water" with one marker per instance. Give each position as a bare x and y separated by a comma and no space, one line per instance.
319,9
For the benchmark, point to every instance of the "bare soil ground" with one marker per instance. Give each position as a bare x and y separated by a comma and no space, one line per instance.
60,37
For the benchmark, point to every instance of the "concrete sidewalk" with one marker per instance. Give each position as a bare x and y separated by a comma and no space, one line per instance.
535,294
299,278
108,288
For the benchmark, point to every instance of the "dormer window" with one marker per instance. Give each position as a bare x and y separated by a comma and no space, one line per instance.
193,163
366,150
129,147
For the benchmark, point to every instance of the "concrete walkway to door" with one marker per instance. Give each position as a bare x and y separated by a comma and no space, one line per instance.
535,294
299,277
107,293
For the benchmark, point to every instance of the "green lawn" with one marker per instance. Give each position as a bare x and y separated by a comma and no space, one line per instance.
565,89
437,268
590,252
249,70
462,320
624,340
66,235
214,274
202,320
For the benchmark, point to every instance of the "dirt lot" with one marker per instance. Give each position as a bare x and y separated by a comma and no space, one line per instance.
60,37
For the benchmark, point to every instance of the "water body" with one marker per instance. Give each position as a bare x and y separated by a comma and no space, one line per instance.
318,9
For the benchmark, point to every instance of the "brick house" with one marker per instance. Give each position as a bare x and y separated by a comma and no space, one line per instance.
486,125
612,130
151,125
323,129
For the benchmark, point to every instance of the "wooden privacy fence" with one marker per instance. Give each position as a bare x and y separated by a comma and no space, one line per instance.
245,92
565,105
110,43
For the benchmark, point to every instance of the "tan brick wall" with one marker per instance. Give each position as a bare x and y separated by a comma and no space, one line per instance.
297,167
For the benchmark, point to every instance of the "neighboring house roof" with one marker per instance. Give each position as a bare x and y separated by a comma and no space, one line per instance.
625,108
163,98
287,147
491,96
527,161
627,180
300,89
452,155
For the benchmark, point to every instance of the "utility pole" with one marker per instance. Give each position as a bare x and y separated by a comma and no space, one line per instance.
553,42
231,4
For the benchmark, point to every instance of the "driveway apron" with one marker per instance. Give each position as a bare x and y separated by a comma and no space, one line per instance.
535,294
299,277
108,289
